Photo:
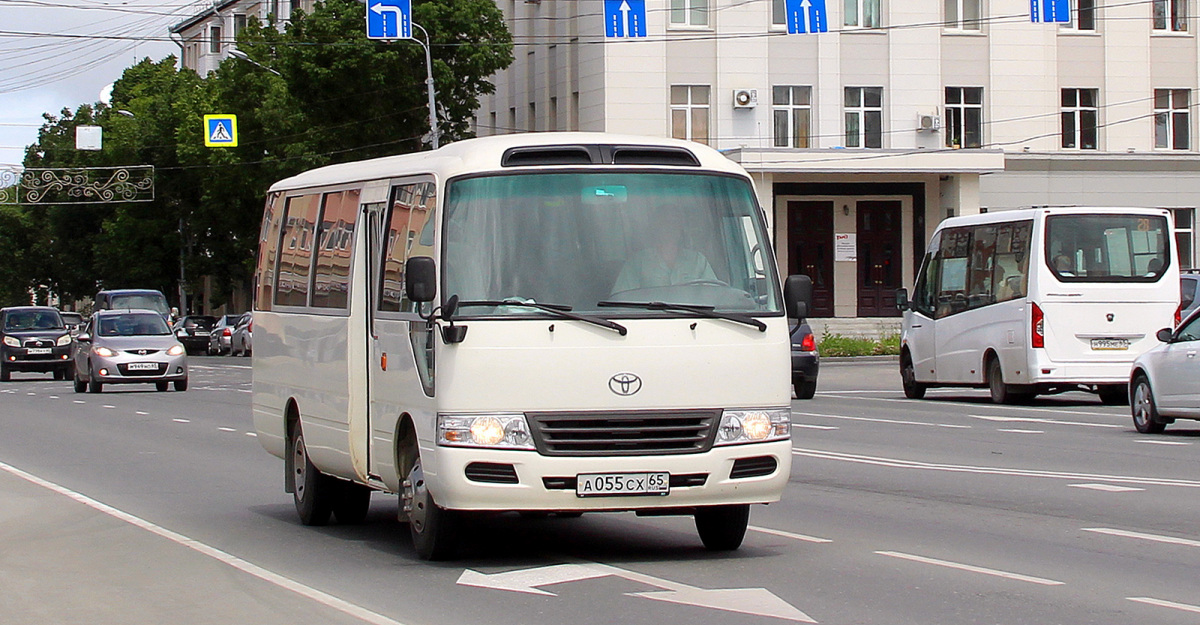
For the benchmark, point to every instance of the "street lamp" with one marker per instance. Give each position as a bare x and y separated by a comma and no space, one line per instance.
433,125
238,54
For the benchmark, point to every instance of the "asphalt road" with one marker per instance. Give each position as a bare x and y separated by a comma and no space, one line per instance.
140,507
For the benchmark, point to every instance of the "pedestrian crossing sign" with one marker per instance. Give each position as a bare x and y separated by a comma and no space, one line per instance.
220,131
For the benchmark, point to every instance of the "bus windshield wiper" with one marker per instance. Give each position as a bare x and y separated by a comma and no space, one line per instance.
703,311
558,310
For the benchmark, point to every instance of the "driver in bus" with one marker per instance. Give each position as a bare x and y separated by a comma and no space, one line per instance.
666,261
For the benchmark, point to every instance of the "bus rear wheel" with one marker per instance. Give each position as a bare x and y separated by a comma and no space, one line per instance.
722,528
312,491
434,529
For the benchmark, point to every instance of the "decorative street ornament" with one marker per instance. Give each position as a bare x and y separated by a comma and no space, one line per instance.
85,185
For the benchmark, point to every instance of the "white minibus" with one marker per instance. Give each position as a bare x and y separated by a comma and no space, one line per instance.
541,323
1038,301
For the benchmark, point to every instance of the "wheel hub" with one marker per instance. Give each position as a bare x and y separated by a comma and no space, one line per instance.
415,498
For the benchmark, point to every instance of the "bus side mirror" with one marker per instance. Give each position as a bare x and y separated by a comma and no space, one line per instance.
902,299
797,296
420,279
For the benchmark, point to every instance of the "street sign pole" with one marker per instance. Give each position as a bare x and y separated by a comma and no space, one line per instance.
392,19
433,124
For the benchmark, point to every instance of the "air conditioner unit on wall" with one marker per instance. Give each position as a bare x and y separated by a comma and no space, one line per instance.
745,98
929,123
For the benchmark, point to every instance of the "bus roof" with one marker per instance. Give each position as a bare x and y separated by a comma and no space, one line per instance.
540,149
1031,213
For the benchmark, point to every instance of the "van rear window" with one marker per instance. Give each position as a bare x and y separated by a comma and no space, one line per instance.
1108,248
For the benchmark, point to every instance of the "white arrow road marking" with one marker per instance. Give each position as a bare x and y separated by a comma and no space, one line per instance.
1153,537
756,601
1166,604
971,568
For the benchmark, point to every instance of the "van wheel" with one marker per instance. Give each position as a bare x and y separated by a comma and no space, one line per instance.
314,491
434,529
1001,393
352,503
722,528
908,377
1145,414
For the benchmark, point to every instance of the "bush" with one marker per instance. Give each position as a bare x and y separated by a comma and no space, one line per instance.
838,345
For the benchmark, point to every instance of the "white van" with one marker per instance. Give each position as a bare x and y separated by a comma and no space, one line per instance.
1038,301
548,322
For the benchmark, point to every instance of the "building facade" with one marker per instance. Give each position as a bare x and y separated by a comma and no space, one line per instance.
863,138
206,37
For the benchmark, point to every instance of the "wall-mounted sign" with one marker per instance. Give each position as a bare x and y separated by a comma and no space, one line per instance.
845,246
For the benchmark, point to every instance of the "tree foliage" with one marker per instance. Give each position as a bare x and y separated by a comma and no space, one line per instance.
337,97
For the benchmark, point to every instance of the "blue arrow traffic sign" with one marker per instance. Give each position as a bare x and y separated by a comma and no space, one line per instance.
808,16
389,19
624,18
1050,11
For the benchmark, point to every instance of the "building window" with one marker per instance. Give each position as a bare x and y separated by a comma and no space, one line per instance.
214,39
532,117
689,12
689,112
1184,236
864,117
1083,15
964,117
962,14
779,12
792,111
239,23
1171,128
1170,15
861,13
552,124
1080,113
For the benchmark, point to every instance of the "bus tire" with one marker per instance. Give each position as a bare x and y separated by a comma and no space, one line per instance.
352,503
722,528
908,377
1001,393
314,491
1145,414
434,529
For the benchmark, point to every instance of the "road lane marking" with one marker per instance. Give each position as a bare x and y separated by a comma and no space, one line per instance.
142,413
985,470
970,568
109,406
815,427
1162,603
80,401
1023,409
875,420
1048,421
181,420
1154,442
1108,488
341,605
224,429
807,539
251,434
1020,431
1171,540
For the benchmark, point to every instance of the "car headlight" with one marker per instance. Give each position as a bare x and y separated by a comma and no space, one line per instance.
104,352
176,350
754,426
499,430
63,340
12,341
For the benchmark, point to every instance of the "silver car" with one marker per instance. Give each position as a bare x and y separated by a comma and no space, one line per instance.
128,347
1165,382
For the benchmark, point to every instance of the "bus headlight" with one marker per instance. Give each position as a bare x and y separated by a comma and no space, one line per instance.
754,426
499,430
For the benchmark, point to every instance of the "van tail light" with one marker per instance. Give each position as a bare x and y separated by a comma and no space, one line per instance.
1037,327
808,343
1178,315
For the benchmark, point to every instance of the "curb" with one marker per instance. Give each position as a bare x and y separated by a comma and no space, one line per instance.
854,359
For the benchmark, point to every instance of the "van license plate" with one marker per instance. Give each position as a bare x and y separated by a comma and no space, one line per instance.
143,366
1109,344
617,484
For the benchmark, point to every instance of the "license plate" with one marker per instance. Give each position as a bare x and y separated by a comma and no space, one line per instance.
36,351
1117,344
617,484
143,366
203,333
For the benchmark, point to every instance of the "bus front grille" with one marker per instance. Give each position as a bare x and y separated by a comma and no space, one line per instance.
623,433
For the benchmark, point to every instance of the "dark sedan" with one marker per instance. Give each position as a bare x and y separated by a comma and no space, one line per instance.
34,339
805,361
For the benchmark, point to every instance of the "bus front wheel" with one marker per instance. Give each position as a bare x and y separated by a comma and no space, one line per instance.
434,529
908,377
722,528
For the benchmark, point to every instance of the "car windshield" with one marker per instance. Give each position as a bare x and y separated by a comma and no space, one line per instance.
133,324
574,240
33,320
145,301
1107,248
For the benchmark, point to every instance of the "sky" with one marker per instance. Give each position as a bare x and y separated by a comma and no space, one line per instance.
57,54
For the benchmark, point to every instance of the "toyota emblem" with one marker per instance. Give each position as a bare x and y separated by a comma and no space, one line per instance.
625,384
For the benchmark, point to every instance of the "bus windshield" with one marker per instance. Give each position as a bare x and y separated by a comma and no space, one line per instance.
576,239
1107,248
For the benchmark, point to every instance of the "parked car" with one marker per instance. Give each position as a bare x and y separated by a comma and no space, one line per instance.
72,320
241,343
34,338
128,347
1188,283
805,361
1165,382
134,299
221,339
194,331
